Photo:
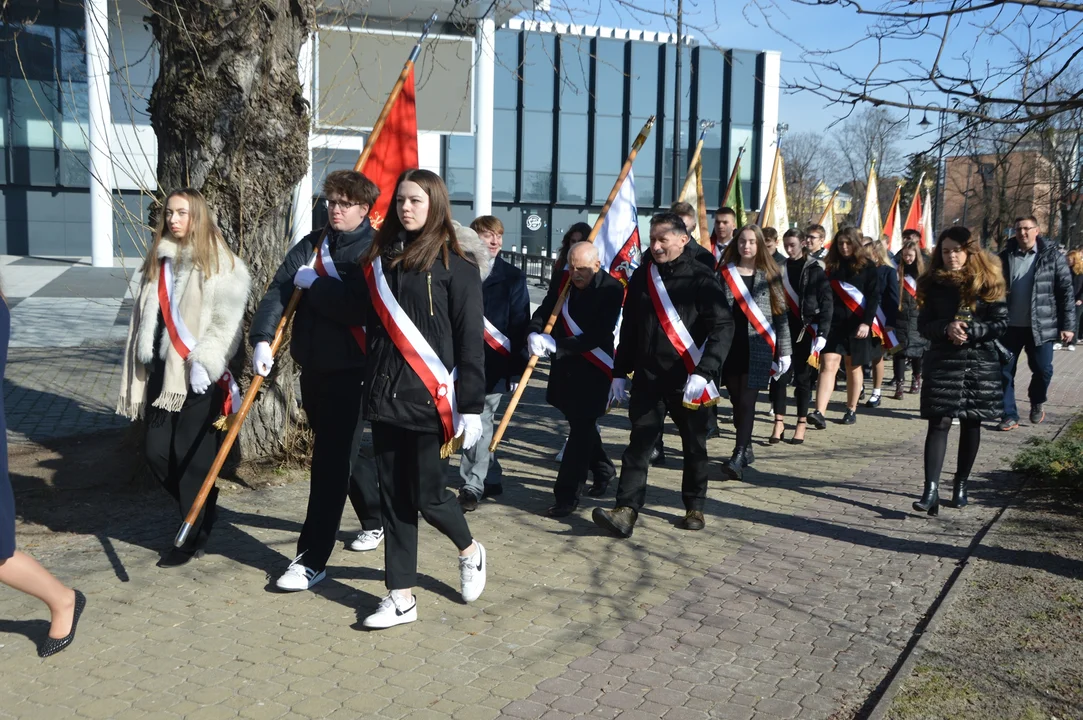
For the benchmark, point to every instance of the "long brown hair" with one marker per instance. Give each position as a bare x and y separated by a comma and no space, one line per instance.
919,264
835,258
982,277
764,262
437,237
204,237
584,231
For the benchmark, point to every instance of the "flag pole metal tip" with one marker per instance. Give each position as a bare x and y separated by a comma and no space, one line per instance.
182,534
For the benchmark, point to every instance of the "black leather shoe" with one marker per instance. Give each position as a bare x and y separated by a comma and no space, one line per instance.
658,459
734,468
561,510
849,417
599,487
51,646
817,420
872,402
692,520
750,457
713,432
492,491
930,499
620,521
958,495
468,500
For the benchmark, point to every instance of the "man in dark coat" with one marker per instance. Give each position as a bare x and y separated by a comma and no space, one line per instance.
332,376
507,312
581,350
1041,311
661,380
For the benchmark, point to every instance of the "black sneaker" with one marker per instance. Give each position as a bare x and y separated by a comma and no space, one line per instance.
492,491
849,417
1037,414
468,500
1008,424
817,420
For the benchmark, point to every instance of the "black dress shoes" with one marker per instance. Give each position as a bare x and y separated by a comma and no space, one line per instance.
51,646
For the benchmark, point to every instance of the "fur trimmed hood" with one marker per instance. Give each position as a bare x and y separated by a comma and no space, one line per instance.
473,246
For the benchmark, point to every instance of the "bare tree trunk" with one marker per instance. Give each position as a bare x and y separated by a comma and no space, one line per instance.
231,121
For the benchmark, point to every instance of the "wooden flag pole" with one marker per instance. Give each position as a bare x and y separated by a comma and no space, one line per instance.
642,138
823,216
291,308
767,209
733,176
691,176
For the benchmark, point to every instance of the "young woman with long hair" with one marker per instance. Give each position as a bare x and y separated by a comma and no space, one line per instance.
761,336
175,372
912,345
889,303
425,366
851,275
578,232
963,314
17,569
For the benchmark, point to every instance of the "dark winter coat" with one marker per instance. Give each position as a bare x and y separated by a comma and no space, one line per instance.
1052,307
578,387
760,356
644,348
962,381
912,343
844,323
446,307
888,280
319,342
815,295
507,307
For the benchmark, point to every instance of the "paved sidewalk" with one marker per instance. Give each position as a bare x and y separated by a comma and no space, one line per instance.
794,602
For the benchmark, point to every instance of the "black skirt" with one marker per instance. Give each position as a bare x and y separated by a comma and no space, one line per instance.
861,351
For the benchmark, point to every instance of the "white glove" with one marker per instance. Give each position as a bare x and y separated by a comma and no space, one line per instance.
694,387
262,359
513,386
541,345
199,378
470,428
819,344
305,277
780,367
618,391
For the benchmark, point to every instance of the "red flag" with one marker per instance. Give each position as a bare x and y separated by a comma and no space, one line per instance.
913,218
394,151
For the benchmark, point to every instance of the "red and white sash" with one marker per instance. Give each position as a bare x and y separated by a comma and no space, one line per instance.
597,356
678,335
184,342
793,303
496,340
749,307
415,349
911,285
325,267
855,301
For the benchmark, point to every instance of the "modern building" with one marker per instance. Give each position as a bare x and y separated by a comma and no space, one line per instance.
529,121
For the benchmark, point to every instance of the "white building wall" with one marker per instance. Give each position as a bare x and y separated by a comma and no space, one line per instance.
134,68
772,69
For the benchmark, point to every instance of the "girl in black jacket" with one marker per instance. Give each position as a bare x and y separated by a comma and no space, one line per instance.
912,345
439,291
851,332
962,314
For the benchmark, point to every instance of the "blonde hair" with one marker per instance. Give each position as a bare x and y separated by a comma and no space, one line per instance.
1075,262
204,237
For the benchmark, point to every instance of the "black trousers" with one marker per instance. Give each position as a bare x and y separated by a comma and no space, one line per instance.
646,409
899,363
413,478
332,402
584,452
180,449
936,446
743,399
800,375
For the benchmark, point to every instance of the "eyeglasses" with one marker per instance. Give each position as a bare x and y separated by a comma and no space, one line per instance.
1028,229
340,204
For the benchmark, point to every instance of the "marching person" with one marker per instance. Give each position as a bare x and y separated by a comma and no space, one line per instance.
580,348
424,379
1074,258
912,345
673,339
17,569
770,239
331,355
814,242
963,313
507,312
855,286
888,299
809,304
1041,308
760,351
725,222
175,373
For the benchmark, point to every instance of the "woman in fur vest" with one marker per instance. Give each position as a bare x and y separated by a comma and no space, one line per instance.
963,314
185,327
761,335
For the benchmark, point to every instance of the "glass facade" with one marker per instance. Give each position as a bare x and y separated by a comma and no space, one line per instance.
567,108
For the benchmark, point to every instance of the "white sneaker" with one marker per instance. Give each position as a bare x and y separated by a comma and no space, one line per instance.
367,540
1070,348
298,577
472,573
1057,346
391,613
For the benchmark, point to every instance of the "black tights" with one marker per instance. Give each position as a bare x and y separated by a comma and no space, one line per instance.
936,445
900,366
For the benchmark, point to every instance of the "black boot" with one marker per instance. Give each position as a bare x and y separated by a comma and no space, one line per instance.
958,493
734,469
930,500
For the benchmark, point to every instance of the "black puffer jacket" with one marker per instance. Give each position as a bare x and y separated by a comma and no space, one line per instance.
815,294
1052,308
446,306
962,381
320,342
911,342
698,298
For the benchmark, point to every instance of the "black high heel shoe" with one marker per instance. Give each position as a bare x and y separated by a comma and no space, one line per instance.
930,499
51,646
796,440
781,436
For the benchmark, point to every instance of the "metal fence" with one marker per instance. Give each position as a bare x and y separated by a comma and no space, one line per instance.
537,268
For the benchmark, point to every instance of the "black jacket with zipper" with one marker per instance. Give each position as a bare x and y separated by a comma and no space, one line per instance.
320,342
697,296
445,304
1052,303
814,293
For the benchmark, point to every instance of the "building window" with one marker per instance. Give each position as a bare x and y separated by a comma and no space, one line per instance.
506,73
644,102
666,126
709,83
459,166
574,129
609,150
742,87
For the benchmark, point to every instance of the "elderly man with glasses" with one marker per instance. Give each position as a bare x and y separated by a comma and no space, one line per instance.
1041,309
